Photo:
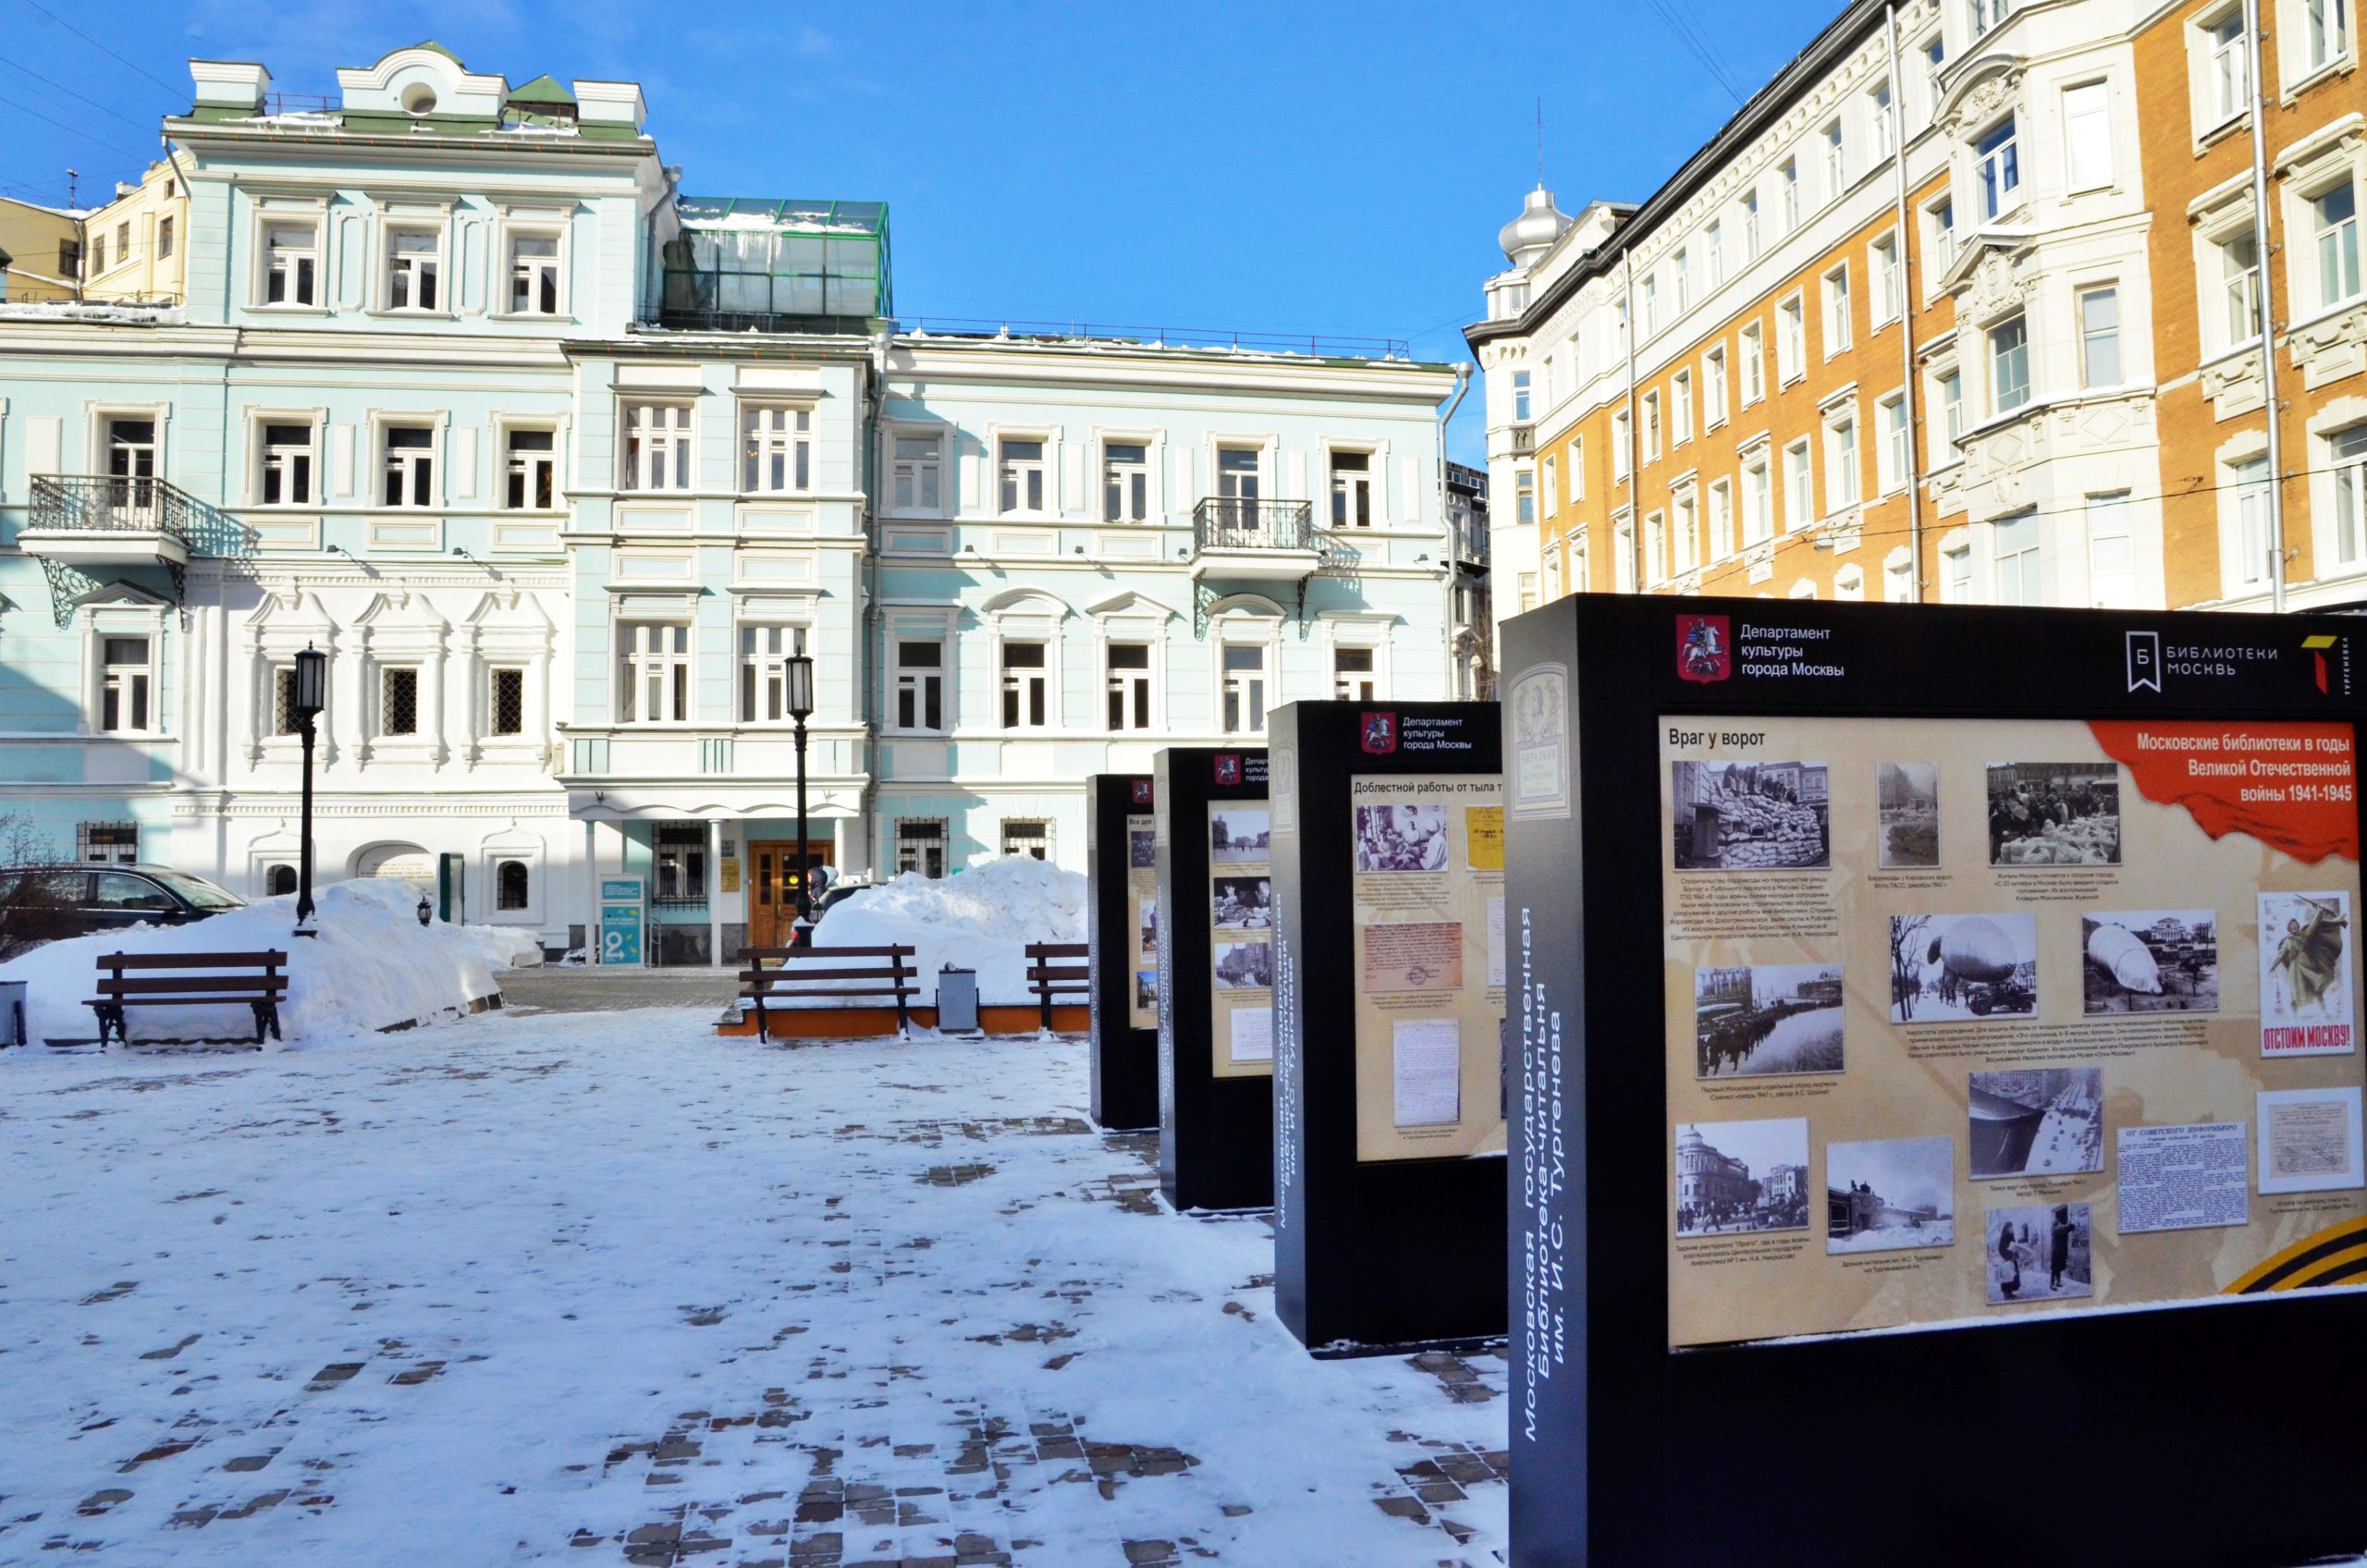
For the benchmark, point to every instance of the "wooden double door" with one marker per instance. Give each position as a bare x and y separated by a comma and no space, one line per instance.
774,870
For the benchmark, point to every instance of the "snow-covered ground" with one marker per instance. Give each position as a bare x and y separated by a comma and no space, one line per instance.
982,919
496,1291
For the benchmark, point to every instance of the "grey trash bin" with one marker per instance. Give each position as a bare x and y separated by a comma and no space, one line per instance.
957,1001
12,1012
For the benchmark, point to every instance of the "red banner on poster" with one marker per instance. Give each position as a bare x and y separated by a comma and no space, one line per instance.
2294,787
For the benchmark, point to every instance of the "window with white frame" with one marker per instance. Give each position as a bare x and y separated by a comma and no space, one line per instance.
1623,557
1619,445
1684,536
1713,387
1352,489
1890,299
2112,558
920,683
1880,113
1799,495
286,465
2334,229
2248,488
1791,339
408,479
1526,590
677,855
1892,459
1651,304
1548,484
1524,497
2347,455
283,700
1955,575
1684,272
1680,407
2009,364
414,261
920,846
1651,425
163,238
1849,583
399,701
1947,393
1935,56
2016,555
1238,477
1788,179
505,705
1126,482
127,684
2087,135
530,462
1722,519
1577,469
2228,78
1983,15
1757,502
1836,311
2326,31
917,482
1019,474
1997,165
1030,836
1750,225
654,672
1943,216
776,449
1128,686
2237,260
533,274
1713,248
764,651
1898,582
1836,174
1655,547
1520,396
1352,675
1026,685
2099,336
292,258
1841,458
657,446
1245,688
1754,364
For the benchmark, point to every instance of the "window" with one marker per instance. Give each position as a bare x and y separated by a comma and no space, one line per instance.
1352,674
2334,218
657,446
1520,396
1955,575
1849,583
1998,160
1750,224
1890,300
98,254
1525,597
1619,445
2087,135
411,266
399,701
764,671
2111,563
1524,497
1722,519
1352,489
512,885
1836,311
1129,686
1126,482
530,458
2325,28
107,843
1841,461
1713,386
1655,547
1987,14
2099,336
1245,688
1877,113
1898,582
1713,245
1684,280
1687,535
127,680
1651,304
1800,501
920,846
776,449
533,275
679,851
1758,504
2230,78
915,484
1622,559
2347,455
2009,364
410,479
1754,365
1789,176
2017,559
2248,484
1020,473
286,465
1891,461
1238,481
283,699
1680,407
1950,397
163,238
1027,686
2239,285
291,264
506,700
1943,235
1936,55
1032,838
1791,339
654,685
122,242
279,880
1837,177
920,684
69,258
1651,425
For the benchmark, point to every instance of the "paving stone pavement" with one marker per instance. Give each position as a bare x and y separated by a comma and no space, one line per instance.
553,988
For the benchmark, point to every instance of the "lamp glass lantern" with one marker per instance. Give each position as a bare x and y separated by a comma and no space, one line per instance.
312,685
801,686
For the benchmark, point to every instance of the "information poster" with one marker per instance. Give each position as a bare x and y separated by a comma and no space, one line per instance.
1241,940
1967,1018
1429,897
1142,909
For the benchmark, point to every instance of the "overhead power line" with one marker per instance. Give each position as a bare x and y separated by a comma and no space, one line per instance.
1695,45
82,131
61,87
103,49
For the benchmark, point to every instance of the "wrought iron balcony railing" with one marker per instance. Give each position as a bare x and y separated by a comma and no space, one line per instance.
1229,523
82,503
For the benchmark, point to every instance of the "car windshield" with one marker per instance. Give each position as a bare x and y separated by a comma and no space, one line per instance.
197,891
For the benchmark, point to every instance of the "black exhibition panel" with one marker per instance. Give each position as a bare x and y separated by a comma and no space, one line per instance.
2222,1432
1215,1134
1125,1060
1369,1256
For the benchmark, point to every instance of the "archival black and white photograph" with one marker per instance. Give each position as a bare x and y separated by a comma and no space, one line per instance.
1907,794
1142,848
1244,903
1764,1019
2149,960
2053,813
1403,835
1240,833
1244,966
1751,815
1146,988
1948,967
2038,1253
2036,1121
1891,1193
1146,927
1734,1176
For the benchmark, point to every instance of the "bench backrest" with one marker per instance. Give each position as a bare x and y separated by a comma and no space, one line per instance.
265,981
1058,966
825,969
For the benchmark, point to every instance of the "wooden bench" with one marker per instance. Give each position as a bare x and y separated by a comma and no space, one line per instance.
149,985
827,972
1060,968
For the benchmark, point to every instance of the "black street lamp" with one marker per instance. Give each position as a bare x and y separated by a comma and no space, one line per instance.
800,671
305,702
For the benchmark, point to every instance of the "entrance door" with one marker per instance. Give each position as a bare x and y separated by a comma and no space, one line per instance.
772,887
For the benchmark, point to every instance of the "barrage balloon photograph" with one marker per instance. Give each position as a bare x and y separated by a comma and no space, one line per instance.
1950,968
2149,961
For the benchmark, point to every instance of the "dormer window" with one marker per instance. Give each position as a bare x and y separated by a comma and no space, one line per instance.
418,98
412,263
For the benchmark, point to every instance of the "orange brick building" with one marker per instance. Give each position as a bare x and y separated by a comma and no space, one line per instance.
1956,310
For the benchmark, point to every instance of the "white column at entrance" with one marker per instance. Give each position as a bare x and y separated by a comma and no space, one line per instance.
590,890
715,892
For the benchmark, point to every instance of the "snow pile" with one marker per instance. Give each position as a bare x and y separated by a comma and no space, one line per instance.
371,965
121,311
981,919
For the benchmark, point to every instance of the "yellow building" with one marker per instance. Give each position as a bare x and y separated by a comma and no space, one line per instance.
43,251
130,250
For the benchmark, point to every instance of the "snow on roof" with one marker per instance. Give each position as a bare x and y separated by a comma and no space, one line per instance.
127,312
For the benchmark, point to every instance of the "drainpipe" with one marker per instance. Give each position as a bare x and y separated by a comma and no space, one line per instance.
2267,315
1907,298
1635,468
1450,556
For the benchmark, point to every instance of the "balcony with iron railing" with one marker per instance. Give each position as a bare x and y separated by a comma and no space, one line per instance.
100,520
1252,540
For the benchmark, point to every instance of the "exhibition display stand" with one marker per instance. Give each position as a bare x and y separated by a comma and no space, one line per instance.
1216,1017
1120,869
1388,961
1934,1086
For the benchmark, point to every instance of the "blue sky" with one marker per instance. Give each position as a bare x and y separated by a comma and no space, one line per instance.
1333,168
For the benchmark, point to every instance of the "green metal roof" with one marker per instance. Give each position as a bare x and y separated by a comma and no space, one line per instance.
431,43
544,89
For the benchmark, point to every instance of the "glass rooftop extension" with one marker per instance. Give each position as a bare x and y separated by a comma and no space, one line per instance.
768,264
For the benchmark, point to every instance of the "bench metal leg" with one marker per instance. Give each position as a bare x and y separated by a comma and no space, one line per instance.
110,1016
267,1017
761,1032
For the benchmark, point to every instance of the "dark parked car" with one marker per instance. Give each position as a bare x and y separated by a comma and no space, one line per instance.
41,903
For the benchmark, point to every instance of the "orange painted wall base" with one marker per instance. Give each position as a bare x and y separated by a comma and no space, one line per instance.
872,1022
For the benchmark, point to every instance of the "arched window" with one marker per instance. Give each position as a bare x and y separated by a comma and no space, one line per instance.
279,879
510,884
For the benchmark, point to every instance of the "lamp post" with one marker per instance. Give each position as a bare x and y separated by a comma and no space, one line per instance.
310,695
800,674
